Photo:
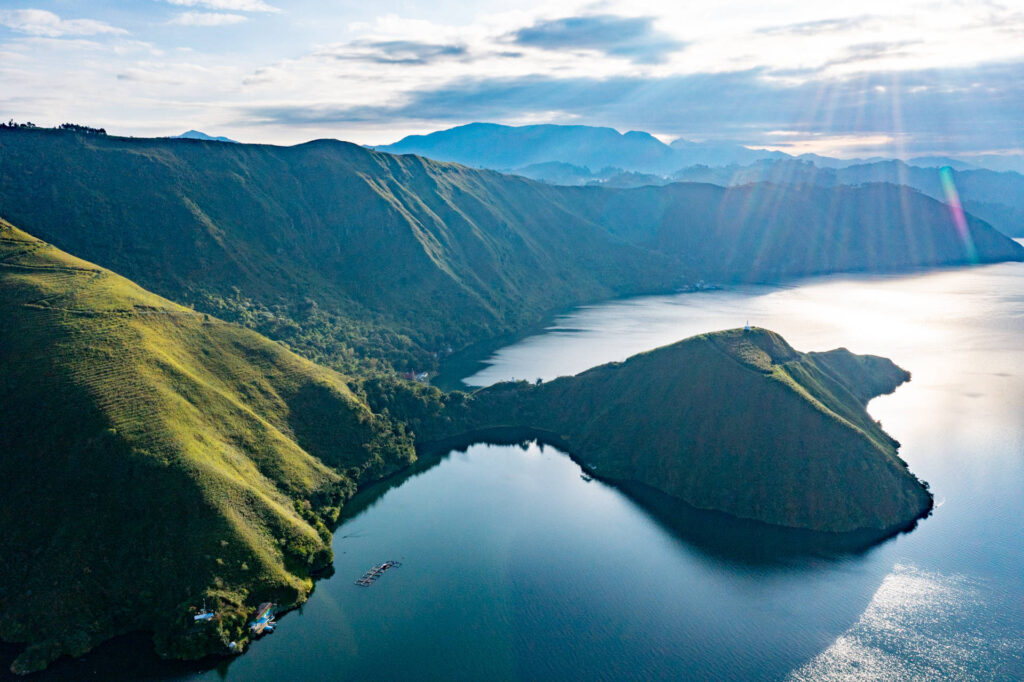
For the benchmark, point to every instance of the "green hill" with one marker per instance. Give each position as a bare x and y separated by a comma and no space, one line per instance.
153,457
734,421
348,254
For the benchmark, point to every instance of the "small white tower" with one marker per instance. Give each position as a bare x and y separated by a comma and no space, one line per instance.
746,327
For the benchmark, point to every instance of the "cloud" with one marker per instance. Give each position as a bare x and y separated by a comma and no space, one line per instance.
207,19
630,37
920,111
227,5
394,51
865,52
943,78
811,28
39,22
854,55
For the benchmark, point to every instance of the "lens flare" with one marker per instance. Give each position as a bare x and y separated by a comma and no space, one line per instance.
959,219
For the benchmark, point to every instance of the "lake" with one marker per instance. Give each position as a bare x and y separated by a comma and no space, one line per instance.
514,567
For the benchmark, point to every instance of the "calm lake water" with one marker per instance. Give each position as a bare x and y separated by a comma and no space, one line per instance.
516,568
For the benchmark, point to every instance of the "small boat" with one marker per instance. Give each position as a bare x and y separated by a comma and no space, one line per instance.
587,477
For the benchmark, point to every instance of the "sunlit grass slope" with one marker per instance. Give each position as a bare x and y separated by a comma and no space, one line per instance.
152,456
733,421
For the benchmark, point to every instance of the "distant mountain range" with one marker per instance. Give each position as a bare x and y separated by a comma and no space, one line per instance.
508,148
583,155
199,135
604,150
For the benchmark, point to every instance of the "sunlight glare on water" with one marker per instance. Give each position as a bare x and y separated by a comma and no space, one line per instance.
919,625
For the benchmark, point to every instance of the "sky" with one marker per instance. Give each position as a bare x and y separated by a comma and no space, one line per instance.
891,77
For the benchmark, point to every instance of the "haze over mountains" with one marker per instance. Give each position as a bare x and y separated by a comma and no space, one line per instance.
511,148
489,145
199,135
996,197
579,155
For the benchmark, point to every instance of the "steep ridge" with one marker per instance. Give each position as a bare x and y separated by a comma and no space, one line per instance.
336,249
349,255
153,457
734,421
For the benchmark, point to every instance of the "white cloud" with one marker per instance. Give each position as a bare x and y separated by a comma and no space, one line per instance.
207,19
398,73
39,22
227,5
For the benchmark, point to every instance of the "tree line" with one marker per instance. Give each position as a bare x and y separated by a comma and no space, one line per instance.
73,127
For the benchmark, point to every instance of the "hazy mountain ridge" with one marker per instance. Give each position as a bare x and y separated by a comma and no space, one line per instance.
515,148
766,232
581,155
996,197
199,135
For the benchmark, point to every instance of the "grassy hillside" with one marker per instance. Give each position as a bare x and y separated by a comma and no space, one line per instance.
734,421
152,456
345,253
